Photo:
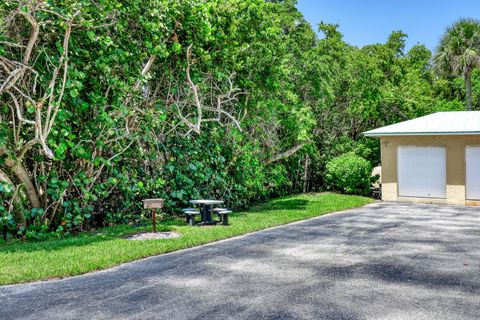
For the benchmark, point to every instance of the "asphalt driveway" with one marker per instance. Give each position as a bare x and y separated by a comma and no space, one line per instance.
382,261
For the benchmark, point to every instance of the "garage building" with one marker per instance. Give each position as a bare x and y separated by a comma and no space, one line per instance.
433,159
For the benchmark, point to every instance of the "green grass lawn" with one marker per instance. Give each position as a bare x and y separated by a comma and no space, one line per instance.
29,261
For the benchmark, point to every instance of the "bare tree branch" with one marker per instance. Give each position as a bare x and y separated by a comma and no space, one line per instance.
63,63
285,154
194,89
212,102
17,108
17,74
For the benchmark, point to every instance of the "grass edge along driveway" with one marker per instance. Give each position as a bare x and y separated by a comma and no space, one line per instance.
30,261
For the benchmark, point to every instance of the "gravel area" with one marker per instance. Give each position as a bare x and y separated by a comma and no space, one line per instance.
154,236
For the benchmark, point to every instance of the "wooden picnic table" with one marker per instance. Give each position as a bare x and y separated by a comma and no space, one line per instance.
206,209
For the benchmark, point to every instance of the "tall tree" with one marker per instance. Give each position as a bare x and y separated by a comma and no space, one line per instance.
459,52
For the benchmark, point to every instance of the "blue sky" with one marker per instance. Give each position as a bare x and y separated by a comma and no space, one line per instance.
371,21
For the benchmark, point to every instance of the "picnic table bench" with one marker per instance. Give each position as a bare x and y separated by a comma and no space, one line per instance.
206,211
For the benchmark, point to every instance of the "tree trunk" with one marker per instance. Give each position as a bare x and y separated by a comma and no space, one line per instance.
16,202
468,89
305,178
24,178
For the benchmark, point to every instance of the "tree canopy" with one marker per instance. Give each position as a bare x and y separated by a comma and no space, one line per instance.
458,53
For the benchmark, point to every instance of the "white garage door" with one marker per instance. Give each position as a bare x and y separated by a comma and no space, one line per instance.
421,172
472,159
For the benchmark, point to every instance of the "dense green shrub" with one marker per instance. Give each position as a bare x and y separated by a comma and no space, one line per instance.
349,173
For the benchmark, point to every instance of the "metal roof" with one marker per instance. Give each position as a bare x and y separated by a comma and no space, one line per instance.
440,123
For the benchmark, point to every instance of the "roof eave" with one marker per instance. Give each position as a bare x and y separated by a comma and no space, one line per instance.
385,134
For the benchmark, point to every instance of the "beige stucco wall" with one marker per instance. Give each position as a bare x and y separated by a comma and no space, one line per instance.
455,148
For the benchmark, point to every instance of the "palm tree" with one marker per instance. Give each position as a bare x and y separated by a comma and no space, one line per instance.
459,52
